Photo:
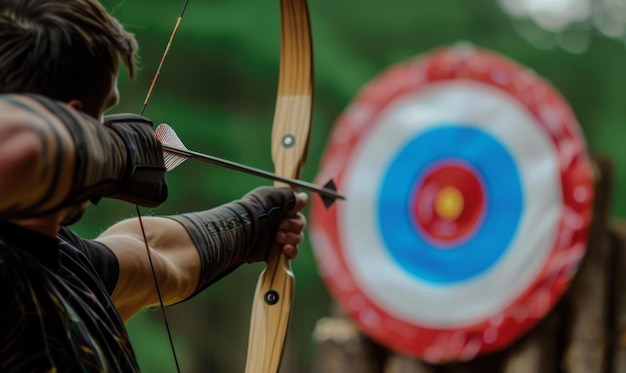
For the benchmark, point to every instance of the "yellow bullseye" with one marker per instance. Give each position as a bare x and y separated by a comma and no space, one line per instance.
449,203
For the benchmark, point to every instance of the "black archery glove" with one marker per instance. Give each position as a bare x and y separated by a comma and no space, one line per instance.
143,181
271,206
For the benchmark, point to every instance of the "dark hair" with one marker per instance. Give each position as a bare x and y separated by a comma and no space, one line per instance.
64,49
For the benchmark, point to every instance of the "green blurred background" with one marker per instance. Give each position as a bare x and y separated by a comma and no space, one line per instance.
218,88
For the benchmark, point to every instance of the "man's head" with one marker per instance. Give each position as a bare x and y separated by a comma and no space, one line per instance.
64,49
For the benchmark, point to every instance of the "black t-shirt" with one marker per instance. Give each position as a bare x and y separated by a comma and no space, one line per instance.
55,309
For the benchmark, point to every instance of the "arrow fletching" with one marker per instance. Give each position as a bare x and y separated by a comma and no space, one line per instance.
166,135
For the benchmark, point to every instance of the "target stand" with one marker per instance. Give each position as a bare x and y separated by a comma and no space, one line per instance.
469,200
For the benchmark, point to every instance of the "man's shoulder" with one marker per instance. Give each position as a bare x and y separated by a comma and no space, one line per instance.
68,235
93,255
72,242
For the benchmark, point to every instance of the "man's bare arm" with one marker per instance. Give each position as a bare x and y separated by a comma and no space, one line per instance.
180,265
175,258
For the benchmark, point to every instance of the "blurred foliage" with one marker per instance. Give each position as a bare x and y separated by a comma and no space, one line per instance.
218,89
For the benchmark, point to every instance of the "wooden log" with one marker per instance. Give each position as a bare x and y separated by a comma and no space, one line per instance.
618,297
538,351
397,363
342,348
586,333
483,364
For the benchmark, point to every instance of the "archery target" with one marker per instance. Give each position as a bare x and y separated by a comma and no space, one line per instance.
469,195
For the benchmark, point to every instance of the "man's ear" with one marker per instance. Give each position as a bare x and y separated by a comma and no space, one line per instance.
76,104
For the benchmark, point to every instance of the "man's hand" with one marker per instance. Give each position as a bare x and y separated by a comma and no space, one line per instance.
291,228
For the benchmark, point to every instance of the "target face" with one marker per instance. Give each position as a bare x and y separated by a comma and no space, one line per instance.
469,198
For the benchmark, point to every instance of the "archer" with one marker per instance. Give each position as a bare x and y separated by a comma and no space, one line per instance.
65,298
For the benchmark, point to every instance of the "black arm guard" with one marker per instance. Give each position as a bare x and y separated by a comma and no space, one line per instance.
236,233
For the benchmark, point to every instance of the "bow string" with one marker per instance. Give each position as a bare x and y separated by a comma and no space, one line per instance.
141,225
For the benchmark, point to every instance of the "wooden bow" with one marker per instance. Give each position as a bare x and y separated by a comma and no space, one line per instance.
272,301
290,137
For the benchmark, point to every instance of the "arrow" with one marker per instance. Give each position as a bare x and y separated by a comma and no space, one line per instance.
175,153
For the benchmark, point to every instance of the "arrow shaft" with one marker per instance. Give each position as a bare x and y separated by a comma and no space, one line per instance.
253,171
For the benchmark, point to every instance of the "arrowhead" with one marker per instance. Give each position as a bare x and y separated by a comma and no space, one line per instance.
328,201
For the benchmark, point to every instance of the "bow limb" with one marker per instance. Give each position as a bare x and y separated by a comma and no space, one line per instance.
272,301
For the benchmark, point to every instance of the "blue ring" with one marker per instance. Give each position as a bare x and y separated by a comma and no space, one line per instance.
504,203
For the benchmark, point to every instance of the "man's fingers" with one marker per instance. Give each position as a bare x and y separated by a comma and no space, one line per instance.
290,238
294,224
301,201
290,229
290,251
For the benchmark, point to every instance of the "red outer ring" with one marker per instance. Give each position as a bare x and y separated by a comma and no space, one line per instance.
552,114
